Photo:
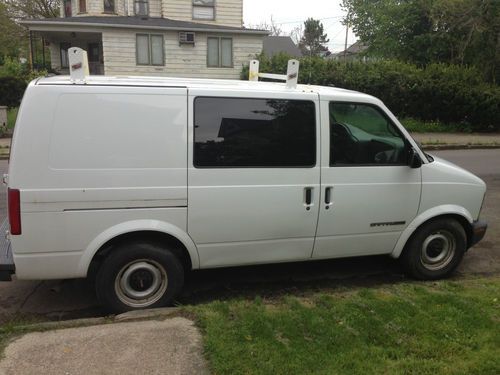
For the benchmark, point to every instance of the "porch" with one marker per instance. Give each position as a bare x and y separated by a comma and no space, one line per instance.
58,43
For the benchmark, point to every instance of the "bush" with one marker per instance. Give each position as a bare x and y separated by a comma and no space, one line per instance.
439,92
14,68
11,91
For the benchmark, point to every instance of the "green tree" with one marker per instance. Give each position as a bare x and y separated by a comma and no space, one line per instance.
464,32
11,34
33,8
314,39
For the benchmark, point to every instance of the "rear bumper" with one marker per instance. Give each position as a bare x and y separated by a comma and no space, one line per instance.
7,267
478,231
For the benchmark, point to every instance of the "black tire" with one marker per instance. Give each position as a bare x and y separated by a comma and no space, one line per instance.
435,250
135,268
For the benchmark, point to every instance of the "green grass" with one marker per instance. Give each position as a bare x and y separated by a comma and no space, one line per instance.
13,327
449,327
11,117
418,126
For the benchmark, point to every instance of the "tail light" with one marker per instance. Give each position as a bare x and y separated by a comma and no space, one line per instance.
14,203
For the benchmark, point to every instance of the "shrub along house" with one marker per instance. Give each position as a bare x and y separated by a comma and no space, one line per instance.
184,38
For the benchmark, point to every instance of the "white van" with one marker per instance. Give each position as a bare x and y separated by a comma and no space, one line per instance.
137,181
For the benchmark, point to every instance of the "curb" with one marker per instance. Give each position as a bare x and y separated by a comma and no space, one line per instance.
131,316
459,147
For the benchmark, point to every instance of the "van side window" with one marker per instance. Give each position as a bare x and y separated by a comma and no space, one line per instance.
239,132
360,134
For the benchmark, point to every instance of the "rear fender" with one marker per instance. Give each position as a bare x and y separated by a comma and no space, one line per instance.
136,226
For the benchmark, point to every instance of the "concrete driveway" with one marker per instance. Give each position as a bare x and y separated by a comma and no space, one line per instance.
55,300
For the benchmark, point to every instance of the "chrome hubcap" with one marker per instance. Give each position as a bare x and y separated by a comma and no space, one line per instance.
141,283
438,250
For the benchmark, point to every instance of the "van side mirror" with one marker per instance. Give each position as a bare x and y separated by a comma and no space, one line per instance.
414,160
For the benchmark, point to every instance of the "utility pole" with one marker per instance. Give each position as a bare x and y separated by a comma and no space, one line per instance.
346,35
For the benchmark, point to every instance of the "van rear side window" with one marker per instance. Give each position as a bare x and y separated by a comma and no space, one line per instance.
244,133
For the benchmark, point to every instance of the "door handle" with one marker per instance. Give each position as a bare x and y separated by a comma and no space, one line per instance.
308,197
328,197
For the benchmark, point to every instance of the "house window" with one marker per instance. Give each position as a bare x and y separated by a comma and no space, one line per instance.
219,52
149,49
141,7
67,8
204,9
64,55
82,6
109,6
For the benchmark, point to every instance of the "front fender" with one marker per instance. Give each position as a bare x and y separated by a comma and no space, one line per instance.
136,226
447,209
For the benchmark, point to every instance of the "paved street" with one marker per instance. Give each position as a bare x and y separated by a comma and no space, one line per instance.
75,298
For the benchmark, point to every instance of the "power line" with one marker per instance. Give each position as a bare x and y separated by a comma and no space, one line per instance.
302,20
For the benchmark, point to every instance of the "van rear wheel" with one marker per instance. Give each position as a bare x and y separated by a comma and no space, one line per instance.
139,275
435,250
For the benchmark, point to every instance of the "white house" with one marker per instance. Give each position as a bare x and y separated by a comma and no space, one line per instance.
183,38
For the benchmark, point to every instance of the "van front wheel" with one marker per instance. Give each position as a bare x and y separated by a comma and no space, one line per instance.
139,275
435,250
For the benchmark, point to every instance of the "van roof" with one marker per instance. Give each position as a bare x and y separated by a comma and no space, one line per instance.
142,81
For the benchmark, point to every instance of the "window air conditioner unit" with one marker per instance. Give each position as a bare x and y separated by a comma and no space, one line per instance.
186,37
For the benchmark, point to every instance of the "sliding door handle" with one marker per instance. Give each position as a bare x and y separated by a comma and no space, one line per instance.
308,197
328,197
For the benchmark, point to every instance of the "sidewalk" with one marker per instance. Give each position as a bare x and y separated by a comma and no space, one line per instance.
171,346
458,140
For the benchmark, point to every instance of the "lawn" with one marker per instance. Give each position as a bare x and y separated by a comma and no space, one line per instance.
446,327
419,126
11,117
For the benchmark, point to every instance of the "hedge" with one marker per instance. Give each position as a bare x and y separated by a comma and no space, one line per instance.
11,91
439,92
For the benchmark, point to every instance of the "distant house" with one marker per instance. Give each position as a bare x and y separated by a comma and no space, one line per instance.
353,52
275,44
183,38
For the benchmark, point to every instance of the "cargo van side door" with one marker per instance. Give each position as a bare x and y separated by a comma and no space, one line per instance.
253,176
369,193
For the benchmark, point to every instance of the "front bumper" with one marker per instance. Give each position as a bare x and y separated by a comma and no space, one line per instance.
478,231
7,267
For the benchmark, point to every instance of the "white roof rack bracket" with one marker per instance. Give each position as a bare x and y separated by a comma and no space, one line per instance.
292,74
78,65
253,70
291,77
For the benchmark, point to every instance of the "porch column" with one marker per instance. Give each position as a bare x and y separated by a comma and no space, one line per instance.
32,58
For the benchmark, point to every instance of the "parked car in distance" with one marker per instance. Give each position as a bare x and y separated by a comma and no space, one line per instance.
136,181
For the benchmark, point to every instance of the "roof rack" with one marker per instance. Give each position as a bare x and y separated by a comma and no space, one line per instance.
291,77
78,65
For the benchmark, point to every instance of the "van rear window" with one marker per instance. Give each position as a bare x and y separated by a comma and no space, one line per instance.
243,132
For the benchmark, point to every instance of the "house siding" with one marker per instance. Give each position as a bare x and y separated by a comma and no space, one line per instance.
180,60
227,12
122,8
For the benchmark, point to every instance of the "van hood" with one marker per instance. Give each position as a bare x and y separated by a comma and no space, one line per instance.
455,173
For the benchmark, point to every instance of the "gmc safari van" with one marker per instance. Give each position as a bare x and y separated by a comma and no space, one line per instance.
136,181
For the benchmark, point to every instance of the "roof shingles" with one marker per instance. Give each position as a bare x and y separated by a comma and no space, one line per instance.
138,22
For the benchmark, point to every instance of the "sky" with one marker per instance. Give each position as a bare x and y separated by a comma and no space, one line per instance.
289,14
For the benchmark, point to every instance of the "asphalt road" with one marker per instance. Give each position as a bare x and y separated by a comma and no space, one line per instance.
75,298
